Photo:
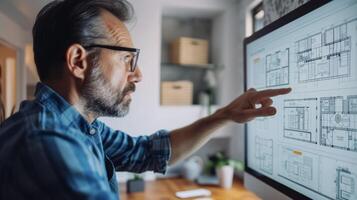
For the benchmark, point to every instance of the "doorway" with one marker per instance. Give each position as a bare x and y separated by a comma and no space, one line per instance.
8,58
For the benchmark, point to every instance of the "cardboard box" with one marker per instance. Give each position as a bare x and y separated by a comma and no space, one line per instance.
176,93
189,51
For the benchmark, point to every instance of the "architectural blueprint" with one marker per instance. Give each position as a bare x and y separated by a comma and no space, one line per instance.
325,55
345,184
277,68
310,145
264,154
298,166
339,122
300,119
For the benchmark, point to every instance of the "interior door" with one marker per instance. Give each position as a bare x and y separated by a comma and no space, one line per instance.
9,86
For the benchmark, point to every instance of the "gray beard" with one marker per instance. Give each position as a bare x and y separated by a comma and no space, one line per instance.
100,99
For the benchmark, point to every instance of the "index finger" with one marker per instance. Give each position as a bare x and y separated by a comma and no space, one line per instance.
272,93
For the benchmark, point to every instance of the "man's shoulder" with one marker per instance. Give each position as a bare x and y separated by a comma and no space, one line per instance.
31,116
32,120
36,126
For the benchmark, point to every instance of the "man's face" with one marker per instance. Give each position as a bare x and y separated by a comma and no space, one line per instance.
109,83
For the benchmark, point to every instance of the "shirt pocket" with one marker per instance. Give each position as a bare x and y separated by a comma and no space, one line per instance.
112,180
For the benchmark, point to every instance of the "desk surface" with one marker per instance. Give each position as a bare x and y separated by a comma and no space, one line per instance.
165,189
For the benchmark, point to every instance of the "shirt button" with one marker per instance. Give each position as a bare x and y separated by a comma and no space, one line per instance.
92,131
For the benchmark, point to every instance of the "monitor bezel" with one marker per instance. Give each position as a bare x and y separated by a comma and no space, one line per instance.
291,16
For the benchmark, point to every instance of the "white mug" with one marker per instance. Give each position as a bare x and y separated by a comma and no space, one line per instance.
225,176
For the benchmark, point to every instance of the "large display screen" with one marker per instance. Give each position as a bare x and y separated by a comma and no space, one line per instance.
309,149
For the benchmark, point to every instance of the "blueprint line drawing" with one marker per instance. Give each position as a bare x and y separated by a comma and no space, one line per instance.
337,178
339,122
263,123
300,119
345,184
277,68
325,55
264,154
327,176
298,166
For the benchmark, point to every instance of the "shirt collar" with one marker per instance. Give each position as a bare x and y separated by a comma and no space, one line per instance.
69,116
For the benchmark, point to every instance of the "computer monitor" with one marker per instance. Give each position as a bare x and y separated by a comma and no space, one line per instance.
308,150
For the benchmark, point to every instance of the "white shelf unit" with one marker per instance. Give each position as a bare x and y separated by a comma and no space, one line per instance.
193,25
146,114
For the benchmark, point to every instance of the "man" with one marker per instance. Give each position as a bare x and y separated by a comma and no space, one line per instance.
54,148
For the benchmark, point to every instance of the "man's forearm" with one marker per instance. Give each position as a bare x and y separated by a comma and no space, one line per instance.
243,109
186,140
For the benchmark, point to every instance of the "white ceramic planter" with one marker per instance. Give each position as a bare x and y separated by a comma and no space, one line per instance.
225,176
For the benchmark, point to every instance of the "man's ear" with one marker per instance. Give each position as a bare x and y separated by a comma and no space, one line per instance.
76,61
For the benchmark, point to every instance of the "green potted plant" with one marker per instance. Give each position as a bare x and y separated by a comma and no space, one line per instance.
136,184
223,167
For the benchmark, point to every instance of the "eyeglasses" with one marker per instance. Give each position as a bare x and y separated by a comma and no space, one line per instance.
134,59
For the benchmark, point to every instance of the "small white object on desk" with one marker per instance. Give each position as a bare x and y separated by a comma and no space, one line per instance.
193,193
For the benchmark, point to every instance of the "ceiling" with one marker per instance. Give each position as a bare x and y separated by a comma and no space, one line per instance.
23,12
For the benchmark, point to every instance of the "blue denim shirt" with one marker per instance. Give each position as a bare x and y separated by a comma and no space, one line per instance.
49,151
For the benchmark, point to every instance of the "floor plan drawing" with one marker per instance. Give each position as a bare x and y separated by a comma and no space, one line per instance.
263,123
325,55
300,119
337,178
298,166
308,149
345,184
264,154
277,68
257,60
339,122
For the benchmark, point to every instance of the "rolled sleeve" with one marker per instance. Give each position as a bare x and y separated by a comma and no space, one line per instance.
137,154
161,149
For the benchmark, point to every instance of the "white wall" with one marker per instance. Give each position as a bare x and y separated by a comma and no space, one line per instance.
145,30
146,114
237,36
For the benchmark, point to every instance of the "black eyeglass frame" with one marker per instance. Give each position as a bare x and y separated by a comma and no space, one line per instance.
134,61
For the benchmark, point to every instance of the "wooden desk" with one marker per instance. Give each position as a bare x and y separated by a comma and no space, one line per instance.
165,189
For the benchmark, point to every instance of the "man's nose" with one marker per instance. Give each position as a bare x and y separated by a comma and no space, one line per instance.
136,76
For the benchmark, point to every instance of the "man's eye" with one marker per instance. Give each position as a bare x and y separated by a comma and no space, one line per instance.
127,59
